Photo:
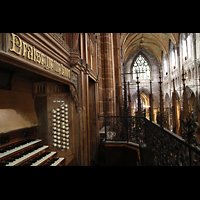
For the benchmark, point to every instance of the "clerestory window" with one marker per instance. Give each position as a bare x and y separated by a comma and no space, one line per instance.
142,67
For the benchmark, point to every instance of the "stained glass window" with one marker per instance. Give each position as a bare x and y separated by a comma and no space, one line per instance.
142,67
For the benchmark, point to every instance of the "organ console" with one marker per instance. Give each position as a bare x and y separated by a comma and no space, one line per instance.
22,151
42,138
46,142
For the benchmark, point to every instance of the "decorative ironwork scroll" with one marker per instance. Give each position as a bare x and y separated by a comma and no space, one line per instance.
168,149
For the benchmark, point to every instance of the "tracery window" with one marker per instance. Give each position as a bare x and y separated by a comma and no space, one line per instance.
189,45
173,58
186,42
142,67
184,49
165,68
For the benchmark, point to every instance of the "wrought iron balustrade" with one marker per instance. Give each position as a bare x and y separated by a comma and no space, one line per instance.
168,149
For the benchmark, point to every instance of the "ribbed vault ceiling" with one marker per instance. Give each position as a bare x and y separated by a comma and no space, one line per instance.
152,42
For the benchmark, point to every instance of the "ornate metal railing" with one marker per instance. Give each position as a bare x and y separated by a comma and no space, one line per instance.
168,149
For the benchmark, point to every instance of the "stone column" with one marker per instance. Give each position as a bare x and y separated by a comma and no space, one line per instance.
117,65
100,78
108,73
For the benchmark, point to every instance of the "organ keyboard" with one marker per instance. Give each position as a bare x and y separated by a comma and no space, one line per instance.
28,152
17,147
57,162
43,158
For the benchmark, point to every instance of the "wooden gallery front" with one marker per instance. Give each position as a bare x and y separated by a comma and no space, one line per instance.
50,95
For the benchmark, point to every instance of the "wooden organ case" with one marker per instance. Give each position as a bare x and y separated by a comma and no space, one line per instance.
38,101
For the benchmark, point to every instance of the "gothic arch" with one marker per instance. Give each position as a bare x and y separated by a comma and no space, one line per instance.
142,54
152,61
145,91
142,90
189,92
176,95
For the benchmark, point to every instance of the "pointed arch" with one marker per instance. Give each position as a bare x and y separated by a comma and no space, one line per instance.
141,65
189,92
